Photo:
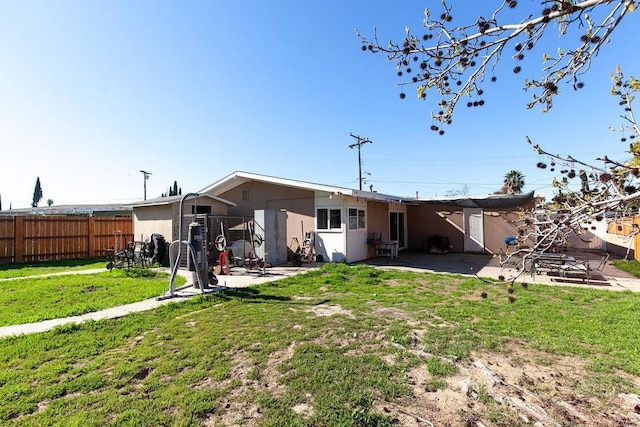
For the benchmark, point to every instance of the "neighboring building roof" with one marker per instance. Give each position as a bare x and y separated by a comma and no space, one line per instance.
91,210
238,178
159,201
492,201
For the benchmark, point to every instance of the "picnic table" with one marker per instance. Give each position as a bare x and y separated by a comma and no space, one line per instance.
560,264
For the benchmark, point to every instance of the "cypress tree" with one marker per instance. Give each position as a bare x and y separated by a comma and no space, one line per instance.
37,194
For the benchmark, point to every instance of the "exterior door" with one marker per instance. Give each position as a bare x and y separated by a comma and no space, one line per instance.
396,228
473,230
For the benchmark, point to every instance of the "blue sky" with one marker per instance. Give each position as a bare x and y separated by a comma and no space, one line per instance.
92,92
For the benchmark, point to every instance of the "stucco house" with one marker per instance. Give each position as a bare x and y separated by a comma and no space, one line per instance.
342,219
345,222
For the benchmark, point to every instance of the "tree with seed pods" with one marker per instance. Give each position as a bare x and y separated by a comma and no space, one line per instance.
587,192
458,63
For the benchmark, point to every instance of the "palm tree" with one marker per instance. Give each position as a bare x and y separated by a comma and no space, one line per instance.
513,182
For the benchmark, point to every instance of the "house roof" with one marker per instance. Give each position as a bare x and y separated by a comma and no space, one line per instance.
159,201
237,178
492,201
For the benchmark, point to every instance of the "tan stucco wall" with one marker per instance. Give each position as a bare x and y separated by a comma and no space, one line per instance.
497,227
269,196
378,219
446,220
297,225
428,220
152,219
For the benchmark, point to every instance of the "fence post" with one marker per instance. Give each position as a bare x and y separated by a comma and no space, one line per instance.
636,238
92,237
18,238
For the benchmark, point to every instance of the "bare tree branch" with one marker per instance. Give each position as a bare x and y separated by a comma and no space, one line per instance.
455,61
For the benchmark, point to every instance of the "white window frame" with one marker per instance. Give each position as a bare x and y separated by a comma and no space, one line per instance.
328,224
357,219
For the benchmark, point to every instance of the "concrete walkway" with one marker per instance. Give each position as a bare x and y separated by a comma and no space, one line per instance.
110,313
484,266
59,273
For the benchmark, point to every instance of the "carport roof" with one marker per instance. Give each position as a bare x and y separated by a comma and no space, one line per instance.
492,201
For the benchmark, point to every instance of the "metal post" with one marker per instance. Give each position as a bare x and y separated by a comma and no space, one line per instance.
360,142
146,177
176,263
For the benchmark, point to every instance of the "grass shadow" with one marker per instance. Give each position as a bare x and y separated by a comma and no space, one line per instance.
251,295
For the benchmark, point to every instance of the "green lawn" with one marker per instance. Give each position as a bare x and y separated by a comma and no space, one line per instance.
272,355
46,267
630,266
34,299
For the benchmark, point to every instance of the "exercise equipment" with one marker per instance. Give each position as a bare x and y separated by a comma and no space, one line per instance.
196,259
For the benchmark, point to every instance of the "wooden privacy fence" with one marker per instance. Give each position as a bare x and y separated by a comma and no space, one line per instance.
45,238
624,236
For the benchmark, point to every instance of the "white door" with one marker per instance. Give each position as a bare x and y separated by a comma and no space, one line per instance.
473,230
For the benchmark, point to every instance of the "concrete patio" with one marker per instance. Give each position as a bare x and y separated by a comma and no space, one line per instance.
488,266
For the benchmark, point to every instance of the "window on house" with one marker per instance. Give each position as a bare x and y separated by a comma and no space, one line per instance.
198,209
245,195
353,219
356,219
328,219
322,219
335,218
361,219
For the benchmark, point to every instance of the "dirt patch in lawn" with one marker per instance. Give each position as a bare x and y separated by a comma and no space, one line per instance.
245,379
326,310
511,388
516,386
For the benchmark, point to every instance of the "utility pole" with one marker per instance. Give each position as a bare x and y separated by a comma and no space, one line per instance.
146,177
360,142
